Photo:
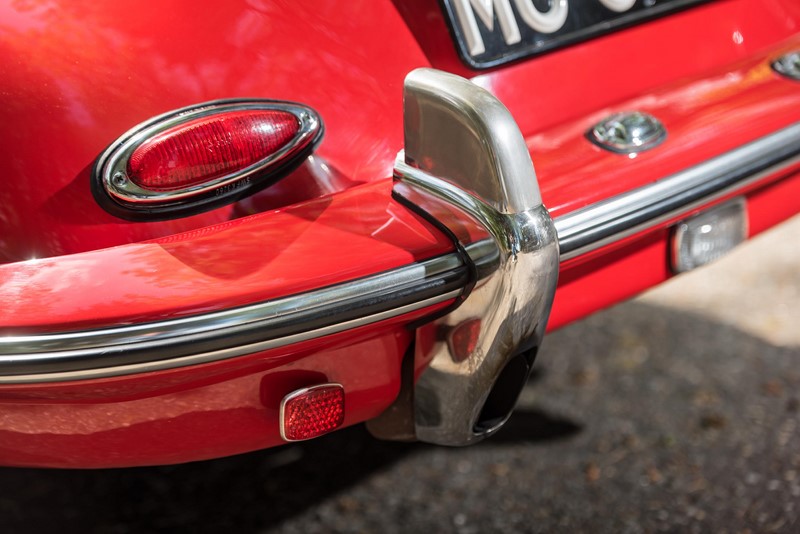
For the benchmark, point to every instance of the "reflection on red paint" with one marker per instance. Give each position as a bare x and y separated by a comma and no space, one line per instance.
86,72
463,339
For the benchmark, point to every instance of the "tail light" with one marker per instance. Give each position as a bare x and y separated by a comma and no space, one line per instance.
201,157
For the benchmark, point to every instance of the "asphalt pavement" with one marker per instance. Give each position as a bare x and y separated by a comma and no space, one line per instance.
678,411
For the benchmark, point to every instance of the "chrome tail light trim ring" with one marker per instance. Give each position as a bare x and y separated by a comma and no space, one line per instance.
123,198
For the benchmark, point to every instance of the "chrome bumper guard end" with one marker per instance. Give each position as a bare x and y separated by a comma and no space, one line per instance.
466,167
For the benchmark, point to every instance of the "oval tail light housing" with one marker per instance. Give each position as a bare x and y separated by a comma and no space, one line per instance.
202,157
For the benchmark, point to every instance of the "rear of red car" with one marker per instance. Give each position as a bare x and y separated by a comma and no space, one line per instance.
401,263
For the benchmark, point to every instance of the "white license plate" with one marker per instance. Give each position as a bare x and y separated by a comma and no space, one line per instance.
493,32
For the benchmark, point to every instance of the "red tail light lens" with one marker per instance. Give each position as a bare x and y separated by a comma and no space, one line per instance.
203,150
198,158
311,412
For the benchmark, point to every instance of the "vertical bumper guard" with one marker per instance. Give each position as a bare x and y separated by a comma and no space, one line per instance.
466,165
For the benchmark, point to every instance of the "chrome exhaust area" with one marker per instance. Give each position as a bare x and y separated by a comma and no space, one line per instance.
467,167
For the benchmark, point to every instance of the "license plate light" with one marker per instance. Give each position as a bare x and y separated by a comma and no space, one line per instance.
709,235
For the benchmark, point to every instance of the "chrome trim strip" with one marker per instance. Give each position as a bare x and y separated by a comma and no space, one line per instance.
224,354
229,333
613,219
362,289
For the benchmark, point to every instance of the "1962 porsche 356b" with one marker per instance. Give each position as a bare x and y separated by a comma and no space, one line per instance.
228,225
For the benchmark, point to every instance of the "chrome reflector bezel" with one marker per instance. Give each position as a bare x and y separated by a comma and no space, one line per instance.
120,196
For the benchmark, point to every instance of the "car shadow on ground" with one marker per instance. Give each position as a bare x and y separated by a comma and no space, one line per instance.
596,359
246,493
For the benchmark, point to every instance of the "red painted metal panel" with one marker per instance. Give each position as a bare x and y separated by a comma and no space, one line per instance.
216,409
309,245
76,75
705,116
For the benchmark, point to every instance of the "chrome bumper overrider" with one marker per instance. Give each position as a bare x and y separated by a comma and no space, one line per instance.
466,166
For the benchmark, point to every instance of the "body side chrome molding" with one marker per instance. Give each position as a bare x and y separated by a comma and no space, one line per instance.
36,376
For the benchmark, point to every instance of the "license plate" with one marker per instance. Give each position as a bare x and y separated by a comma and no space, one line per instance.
492,32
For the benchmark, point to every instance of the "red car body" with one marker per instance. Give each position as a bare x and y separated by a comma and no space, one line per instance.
76,75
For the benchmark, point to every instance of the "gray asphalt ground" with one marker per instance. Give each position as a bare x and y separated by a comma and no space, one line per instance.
678,411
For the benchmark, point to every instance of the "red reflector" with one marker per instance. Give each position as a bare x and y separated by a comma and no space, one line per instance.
204,149
311,412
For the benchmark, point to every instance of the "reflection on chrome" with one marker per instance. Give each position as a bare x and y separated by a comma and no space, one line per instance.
788,65
628,133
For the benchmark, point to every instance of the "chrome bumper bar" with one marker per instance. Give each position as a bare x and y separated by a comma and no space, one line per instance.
613,219
234,332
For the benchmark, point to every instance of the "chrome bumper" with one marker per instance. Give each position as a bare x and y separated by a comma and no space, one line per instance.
613,219
466,168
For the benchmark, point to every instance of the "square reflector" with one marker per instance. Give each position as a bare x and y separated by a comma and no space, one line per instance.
709,235
311,412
